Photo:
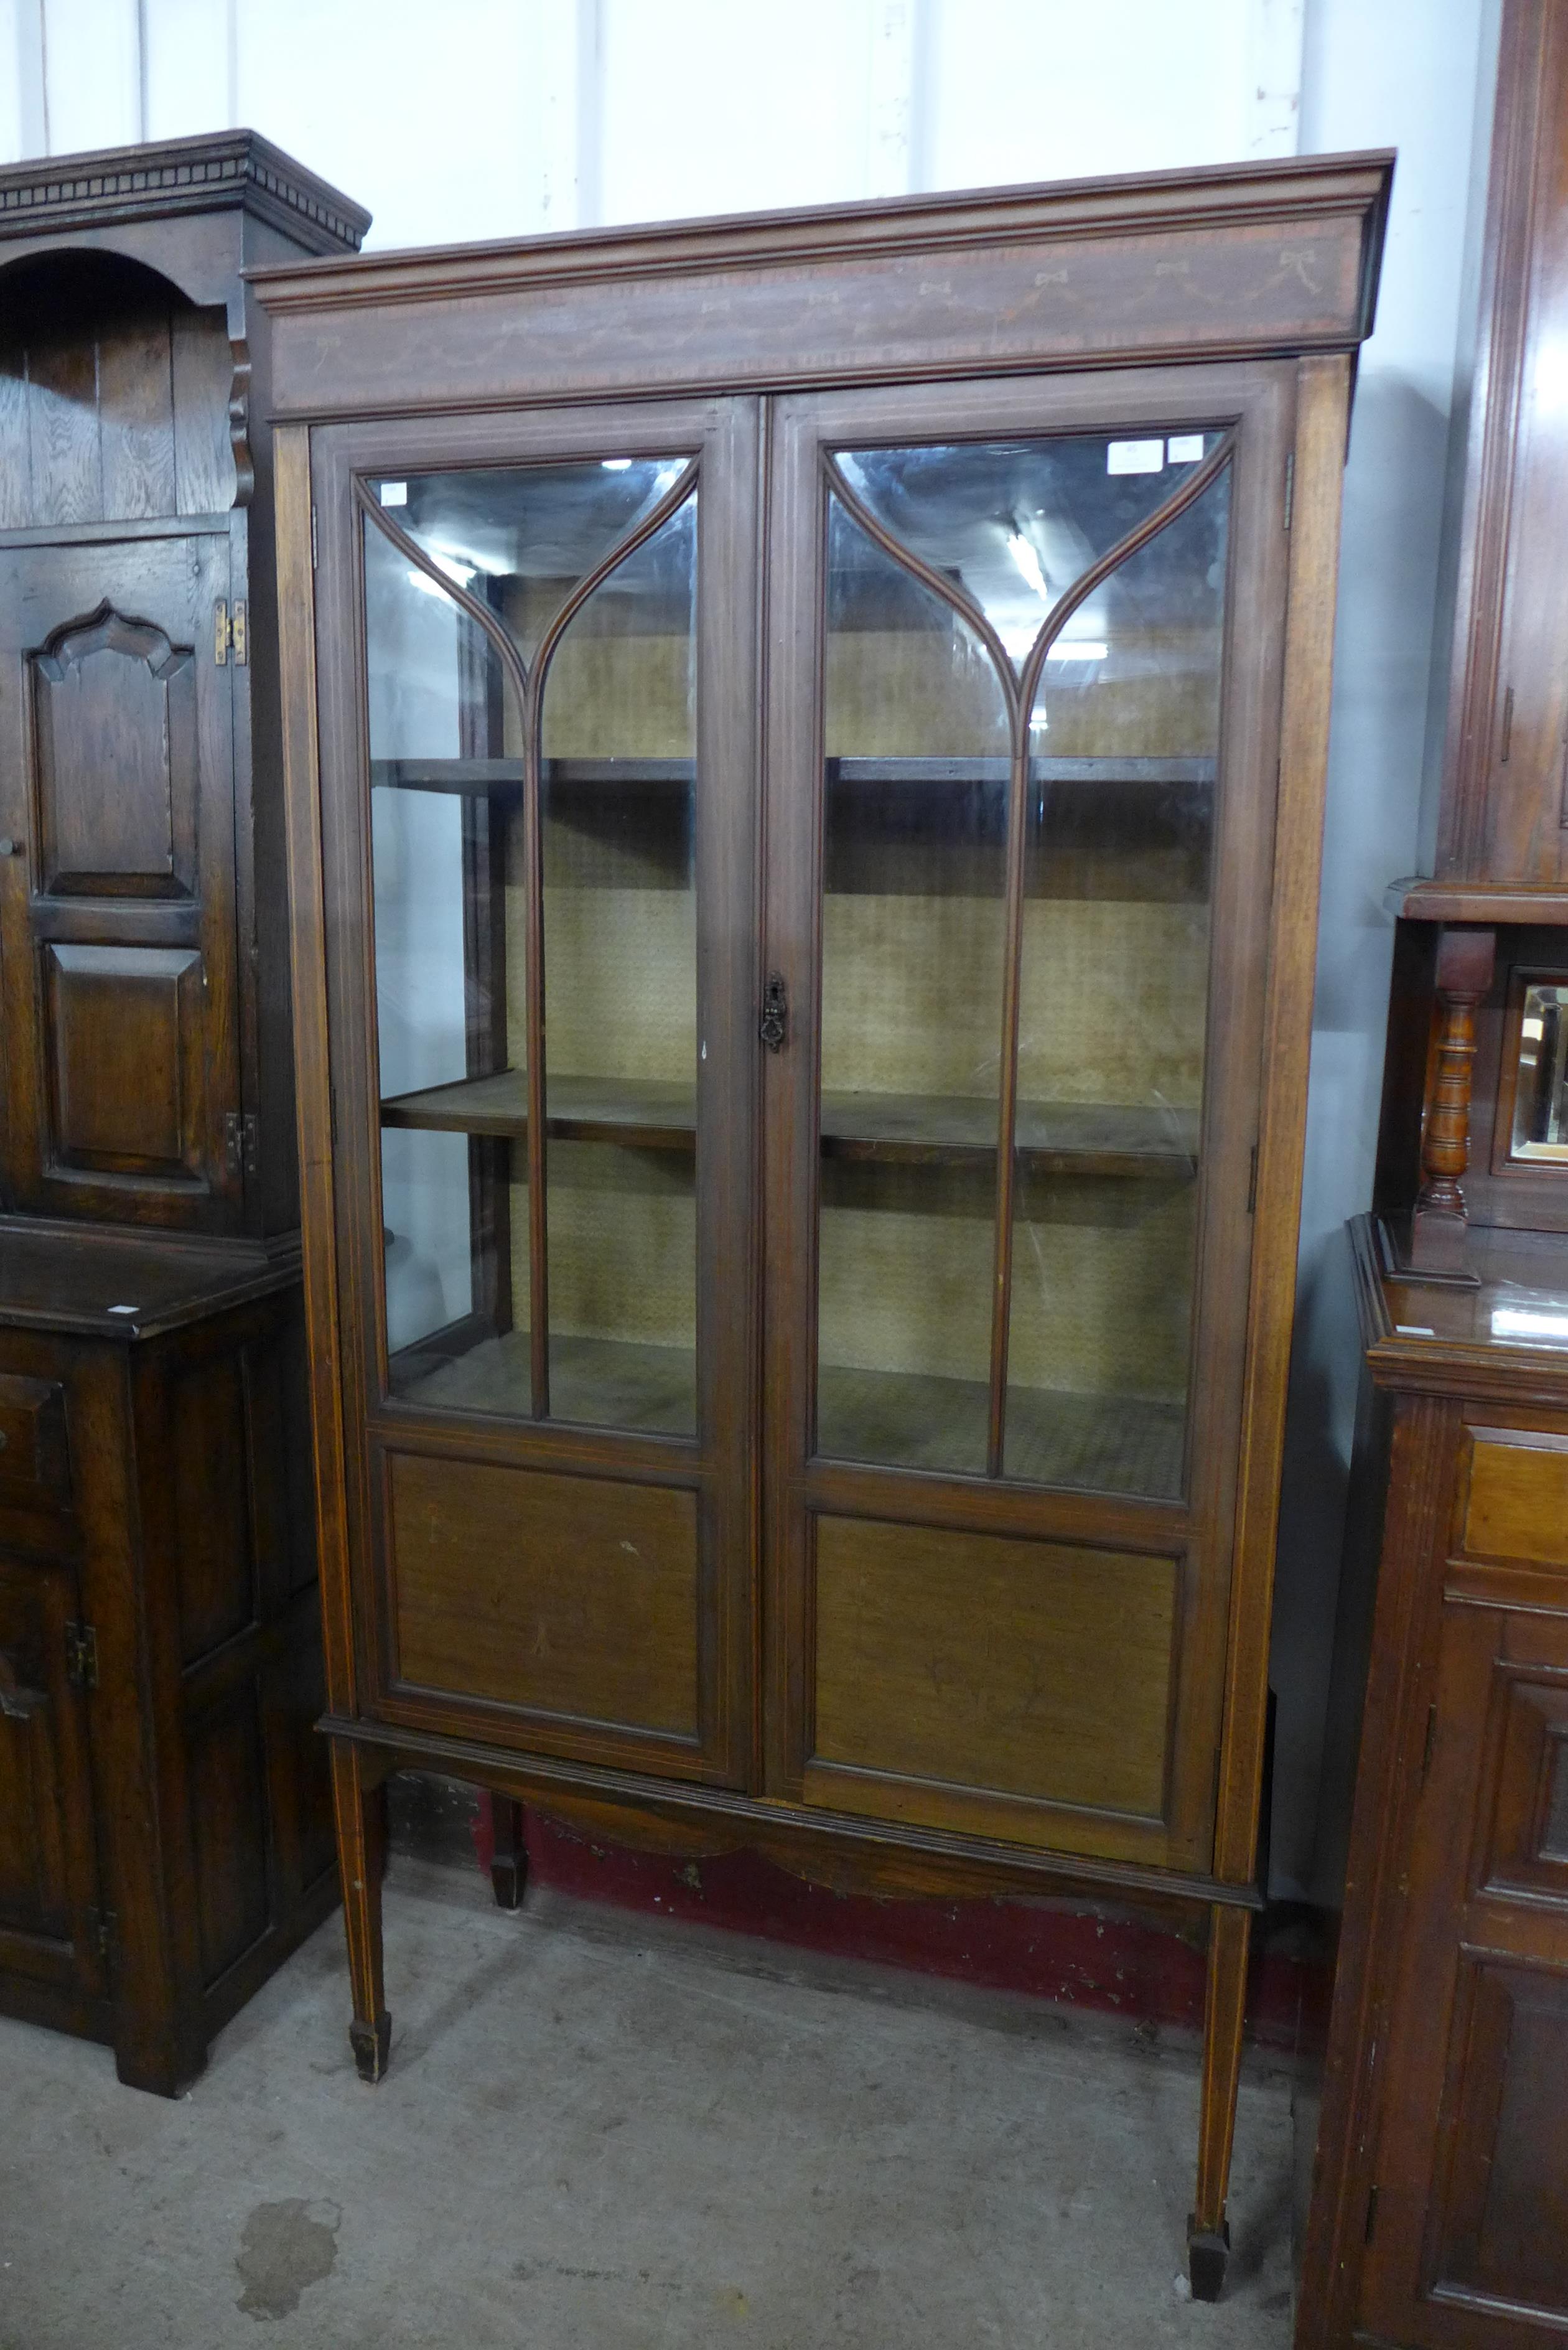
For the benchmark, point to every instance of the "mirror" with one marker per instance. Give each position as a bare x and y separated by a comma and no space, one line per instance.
1541,1079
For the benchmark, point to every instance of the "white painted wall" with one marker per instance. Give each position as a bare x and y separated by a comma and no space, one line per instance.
529,114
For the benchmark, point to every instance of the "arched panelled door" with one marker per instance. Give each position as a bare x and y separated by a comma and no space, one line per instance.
545,684
1021,837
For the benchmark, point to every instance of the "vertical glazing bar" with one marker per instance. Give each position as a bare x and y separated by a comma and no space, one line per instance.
534,964
1007,1087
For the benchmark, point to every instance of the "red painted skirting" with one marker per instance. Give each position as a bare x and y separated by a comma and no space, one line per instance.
1110,1960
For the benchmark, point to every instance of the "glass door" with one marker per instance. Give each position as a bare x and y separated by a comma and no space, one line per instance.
555,788
1023,916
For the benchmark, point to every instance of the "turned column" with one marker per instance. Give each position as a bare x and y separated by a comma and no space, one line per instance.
1463,976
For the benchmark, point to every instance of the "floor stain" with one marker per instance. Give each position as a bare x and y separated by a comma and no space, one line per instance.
285,2247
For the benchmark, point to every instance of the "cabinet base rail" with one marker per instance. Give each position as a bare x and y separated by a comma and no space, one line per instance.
891,1858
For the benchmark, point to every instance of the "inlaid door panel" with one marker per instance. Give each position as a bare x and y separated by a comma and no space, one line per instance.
1021,827
536,640
48,1872
116,883
1469,2248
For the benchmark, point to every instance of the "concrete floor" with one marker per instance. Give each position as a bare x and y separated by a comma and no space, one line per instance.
604,2133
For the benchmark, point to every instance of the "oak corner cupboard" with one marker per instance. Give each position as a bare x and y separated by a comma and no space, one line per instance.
806,742
165,1821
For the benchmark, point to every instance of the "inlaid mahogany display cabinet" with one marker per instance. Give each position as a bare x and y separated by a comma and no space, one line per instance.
165,1826
805,748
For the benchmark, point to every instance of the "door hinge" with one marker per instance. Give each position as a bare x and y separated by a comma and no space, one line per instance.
231,633
332,1114
102,1927
1506,745
1290,486
81,1655
1431,1740
241,1139
774,1025
312,538
1371,2214
1253,1183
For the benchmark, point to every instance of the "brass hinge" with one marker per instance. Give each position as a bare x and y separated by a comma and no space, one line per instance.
102,1925
1290,486
230,632
1371,2214
241,1142
81,1655
1253,1183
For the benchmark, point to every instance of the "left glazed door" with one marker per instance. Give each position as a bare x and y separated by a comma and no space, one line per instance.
535,641
117,912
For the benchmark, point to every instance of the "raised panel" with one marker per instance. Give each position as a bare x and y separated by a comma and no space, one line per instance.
215,1565
565,1595
33,1453
1502,2232
33,1891
48,1869
1030,1668
115,761
229,1829
1514,1503
126,1064
1527,1840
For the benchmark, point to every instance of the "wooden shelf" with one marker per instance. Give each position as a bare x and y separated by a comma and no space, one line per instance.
506,775
598,1382
1104,1444
1077,1138
644,1112
1113,1444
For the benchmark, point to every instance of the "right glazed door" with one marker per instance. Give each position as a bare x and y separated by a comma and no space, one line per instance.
1027,645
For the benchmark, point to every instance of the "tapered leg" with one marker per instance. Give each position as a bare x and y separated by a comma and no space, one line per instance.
509,1861
361,1816
1208,2231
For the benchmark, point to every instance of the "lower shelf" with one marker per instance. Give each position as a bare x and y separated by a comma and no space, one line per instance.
1092,1443
902,1419
598,1382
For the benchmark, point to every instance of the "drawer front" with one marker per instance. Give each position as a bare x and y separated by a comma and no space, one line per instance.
33,1461
1513,1496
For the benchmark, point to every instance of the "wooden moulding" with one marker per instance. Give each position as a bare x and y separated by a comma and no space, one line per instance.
1323,418
1267,258
889,1856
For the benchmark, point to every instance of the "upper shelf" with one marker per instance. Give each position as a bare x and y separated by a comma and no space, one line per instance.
934,1129
506,775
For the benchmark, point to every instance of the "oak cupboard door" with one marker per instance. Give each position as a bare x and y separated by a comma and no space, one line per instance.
117,895
48,1867
1027,646
1467,2243
536,640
